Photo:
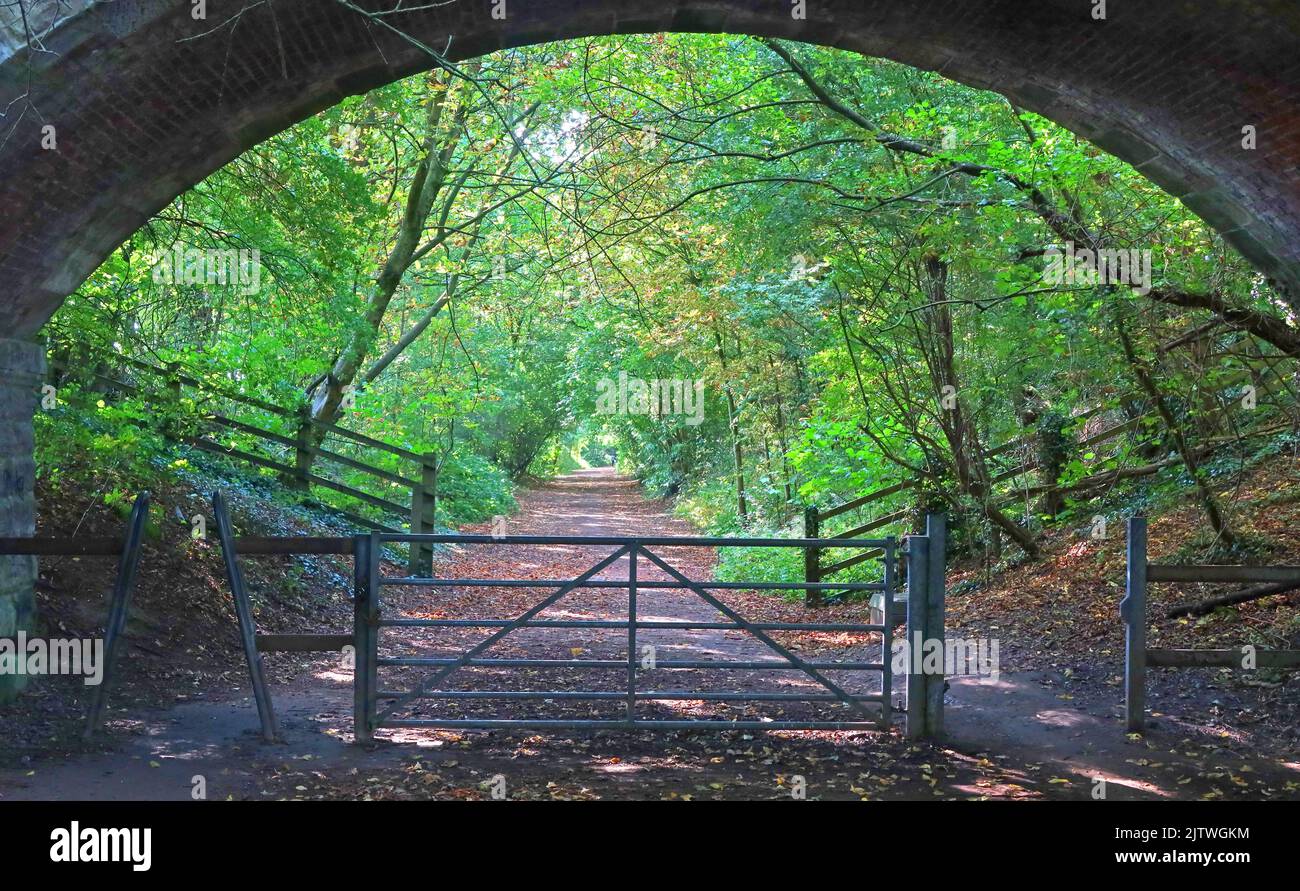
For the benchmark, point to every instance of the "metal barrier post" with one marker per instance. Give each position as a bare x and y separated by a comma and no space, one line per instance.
120,609
247,625
1133,610
631,633
887,638
918,601
365,631
936,530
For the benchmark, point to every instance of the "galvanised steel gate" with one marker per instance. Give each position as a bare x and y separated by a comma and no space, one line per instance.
377,707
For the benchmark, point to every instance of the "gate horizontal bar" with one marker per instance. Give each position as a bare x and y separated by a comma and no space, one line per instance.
303,643
85,546
1157,572
425,582
413,661
615,724
611,624
1221,658
248,545
664,541
664,695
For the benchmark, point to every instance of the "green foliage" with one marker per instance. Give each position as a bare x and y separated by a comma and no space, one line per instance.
471,490
699,218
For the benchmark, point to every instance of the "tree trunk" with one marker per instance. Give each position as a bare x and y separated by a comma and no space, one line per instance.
963,439
1208,502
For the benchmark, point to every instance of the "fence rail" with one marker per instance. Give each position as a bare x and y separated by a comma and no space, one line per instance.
1133,610
416,474
815,518
127,550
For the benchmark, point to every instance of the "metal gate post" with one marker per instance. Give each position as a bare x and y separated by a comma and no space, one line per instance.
887,637
918,601
118,613
1133,610
631,633
365,633
936,530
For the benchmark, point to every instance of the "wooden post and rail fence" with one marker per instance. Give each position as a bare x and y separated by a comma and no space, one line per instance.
1133,611
815,518
414,474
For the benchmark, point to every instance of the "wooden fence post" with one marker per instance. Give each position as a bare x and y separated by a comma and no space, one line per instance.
812,570
171,412
424,510
1133,610
936,530
918,601
302,452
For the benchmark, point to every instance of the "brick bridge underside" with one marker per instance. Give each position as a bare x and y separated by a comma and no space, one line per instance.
147,101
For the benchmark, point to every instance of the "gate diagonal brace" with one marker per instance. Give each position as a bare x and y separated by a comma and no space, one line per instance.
119,611
487,642
794,660
247,626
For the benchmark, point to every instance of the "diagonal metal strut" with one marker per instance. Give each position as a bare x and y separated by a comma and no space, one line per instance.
478,648
740,620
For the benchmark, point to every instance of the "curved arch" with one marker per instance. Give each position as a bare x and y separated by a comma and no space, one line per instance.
146,101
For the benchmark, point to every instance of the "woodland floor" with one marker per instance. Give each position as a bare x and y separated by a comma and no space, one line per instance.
1046,729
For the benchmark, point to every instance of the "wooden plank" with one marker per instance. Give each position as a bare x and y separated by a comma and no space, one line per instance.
1110,432
388,475
852,561
223,421
196,384
878,522
89,546
207,445
866,499
303,643
218,449
1192,573
271,407
382,503
1222,658
253,545
364,522
367,440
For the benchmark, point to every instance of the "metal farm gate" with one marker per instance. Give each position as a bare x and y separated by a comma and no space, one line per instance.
397,678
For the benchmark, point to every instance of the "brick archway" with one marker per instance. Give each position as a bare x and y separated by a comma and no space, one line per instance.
147,101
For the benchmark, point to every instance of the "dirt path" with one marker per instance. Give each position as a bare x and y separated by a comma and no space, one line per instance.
1023,737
